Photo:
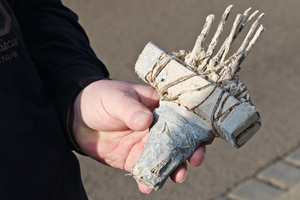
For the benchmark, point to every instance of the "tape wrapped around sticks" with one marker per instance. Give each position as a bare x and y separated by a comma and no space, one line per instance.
200,98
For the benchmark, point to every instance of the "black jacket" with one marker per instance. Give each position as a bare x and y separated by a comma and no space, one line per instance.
45,60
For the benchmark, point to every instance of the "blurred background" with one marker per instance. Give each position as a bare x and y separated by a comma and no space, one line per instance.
118,32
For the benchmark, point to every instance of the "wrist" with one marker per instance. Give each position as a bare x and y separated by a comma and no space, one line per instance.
71,137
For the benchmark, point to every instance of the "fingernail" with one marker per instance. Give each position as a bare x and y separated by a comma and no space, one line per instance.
149,192
141,117
184,178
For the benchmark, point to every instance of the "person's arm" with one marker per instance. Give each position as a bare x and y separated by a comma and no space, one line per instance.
111,118
60,50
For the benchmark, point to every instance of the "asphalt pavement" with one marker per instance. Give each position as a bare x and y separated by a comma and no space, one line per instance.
119,30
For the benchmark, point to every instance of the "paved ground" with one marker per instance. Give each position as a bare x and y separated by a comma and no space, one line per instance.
119,30
279,181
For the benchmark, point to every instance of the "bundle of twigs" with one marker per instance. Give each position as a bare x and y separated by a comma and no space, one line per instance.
201,97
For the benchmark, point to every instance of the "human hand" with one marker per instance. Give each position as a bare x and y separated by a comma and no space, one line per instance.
111,124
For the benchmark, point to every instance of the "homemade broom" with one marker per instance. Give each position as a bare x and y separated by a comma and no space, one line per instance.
201,97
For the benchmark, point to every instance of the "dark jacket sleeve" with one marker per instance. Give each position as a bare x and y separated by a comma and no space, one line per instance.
59,48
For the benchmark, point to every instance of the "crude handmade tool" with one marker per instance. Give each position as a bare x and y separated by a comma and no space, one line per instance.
201,97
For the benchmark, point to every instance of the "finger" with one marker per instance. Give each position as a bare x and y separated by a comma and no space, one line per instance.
135,115
179,175
198,157
143,188
124,105
148,96
138,102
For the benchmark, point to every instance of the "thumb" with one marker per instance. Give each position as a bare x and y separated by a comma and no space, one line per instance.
141,120
133,113
133,104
